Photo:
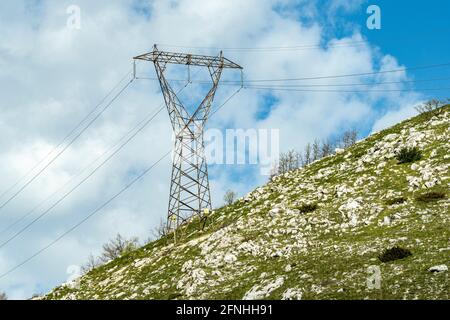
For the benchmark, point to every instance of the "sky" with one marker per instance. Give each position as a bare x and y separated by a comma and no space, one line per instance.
52,74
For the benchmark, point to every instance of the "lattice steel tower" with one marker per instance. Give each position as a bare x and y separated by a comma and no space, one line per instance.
189,187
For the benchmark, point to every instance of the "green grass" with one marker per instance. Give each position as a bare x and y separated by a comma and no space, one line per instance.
329,257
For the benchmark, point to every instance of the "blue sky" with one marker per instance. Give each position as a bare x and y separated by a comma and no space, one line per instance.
53,75
415,32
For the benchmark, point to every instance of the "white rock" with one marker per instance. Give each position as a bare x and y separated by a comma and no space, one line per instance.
187,266
353,221
259,292
350,205
342,189
381,165
431,183
391,137
339,150
141,263
292,294
230,258
439,268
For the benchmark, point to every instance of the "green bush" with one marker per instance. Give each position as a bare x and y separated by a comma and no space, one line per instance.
406,155
174,295
397,200
431,196
395,253
308,207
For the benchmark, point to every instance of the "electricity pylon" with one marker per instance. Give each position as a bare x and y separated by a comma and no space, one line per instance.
189,187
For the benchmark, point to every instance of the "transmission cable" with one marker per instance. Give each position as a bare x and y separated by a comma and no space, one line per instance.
354,84
65,138
271,49
139,127
344,90
350,74
442,65
131,183
67,146
80,182
313,85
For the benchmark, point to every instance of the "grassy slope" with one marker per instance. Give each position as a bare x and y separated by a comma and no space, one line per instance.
265,245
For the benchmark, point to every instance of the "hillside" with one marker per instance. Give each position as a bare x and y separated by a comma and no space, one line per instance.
311,233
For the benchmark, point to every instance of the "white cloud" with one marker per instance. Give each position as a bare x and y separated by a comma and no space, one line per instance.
52,76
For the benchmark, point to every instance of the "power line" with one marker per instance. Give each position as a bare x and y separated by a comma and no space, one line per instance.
345,90
314,85
226,101
66,137
131,183
298,87
357,84
271,49
81,182
432,66
137,178
139,127
165,155
352,74
67,146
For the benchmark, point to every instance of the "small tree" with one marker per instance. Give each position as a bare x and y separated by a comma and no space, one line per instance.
288,161
160,230
430,105
273,171
316,150
349,138
326,149
307,155
229,197
117,247
3,296
91,264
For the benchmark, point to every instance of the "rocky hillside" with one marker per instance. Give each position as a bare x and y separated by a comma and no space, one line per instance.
314,233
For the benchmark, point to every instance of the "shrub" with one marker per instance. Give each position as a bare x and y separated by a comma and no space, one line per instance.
395,253
406,155
431,196
397,200
174,296
111,250
308,207
117,247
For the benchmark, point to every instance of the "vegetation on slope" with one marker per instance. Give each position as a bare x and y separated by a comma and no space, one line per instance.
312,233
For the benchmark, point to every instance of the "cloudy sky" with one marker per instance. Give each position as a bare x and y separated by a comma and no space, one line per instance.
52,75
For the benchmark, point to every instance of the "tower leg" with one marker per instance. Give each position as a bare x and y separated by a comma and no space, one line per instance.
189,188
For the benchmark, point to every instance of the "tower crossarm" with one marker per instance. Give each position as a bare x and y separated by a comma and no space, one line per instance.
188,59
